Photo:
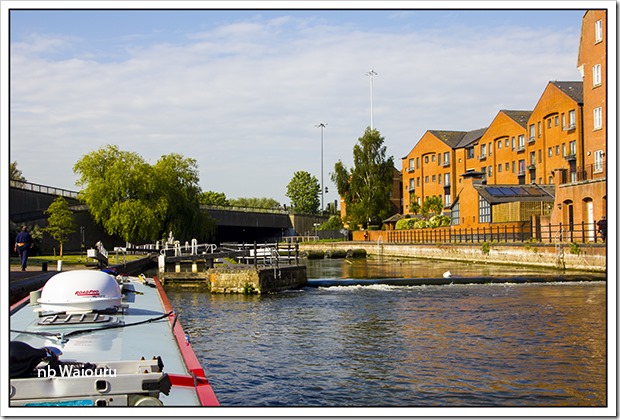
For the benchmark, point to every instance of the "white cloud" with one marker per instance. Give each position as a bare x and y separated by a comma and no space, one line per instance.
243,98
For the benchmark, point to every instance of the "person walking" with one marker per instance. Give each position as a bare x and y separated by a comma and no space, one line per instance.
23,245
602,228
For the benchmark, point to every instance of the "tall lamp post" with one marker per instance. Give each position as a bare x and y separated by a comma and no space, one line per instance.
322,126
371,73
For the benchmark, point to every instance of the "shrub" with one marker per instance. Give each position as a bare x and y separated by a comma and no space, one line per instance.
404,224
420,224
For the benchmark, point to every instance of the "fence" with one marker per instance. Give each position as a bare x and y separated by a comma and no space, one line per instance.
43,189
584,233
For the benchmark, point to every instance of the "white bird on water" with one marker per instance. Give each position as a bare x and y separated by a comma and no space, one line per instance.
447,274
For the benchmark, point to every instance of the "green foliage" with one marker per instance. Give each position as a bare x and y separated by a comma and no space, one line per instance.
15,174
248,289
432,205
405,224
212,198
486,248
420,224
574,248
60,221
140,202
258,203
366,187
303,191
414,206
334,223
439,221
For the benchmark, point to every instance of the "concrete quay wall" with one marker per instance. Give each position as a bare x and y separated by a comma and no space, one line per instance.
588,257
256,280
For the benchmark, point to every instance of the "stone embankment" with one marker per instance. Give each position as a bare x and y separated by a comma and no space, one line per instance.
587,257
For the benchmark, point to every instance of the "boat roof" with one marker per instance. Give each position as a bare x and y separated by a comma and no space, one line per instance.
150,330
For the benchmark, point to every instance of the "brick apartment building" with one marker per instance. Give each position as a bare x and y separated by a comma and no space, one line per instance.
555,151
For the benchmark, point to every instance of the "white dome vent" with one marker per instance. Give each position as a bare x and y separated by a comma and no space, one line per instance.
80,291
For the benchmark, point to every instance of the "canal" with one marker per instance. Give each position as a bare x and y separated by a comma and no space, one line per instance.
458,345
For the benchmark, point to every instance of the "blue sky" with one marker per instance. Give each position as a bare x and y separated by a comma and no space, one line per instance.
242,90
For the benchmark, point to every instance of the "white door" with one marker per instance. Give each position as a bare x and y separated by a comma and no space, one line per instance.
590,227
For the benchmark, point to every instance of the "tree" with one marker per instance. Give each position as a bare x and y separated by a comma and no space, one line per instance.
212,198
304,191
432,204
333,223
15,174
367,186
140,202
60,221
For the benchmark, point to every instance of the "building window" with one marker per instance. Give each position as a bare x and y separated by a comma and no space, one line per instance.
522,167
539,130
563,149
540,156
446,179
447,199
417,181
446,158
532,132
490,171
563,120
484,210
571,120
513,143
557,150
507,168
598,31
598,118
521,142
483,151
507,143
514,167
434,178
411,164
456,213
433,158
426,159
550,152
499,144
532,158
426,179
556,121
572,148
596,75
417,162
490,149
598,160
549,123
470,153
499,167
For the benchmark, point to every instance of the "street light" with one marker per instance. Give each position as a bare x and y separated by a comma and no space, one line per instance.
371,73
322,126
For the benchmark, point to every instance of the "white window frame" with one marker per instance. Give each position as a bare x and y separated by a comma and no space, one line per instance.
596,75
599,155
598,118
598,31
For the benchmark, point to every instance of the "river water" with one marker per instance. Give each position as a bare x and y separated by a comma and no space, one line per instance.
458,345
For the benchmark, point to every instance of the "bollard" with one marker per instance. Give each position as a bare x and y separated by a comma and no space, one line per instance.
59,265
44,266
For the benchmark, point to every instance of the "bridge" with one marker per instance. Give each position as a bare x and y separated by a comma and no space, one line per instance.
28,202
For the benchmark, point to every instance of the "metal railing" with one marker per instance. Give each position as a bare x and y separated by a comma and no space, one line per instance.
585,173
44,189
546,233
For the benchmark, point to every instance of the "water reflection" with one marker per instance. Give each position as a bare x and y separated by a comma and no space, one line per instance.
493,345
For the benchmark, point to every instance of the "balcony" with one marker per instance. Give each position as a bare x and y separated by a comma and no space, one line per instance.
521,148
532,139
482,157
586,173
410,169
570,157
445,163
569,127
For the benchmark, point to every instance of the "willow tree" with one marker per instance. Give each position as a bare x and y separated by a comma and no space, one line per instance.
141,202
367,186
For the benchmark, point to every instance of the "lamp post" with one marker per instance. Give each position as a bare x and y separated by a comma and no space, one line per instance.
371,73
322,126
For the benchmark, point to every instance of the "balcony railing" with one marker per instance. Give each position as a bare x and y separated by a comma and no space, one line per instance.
585,173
